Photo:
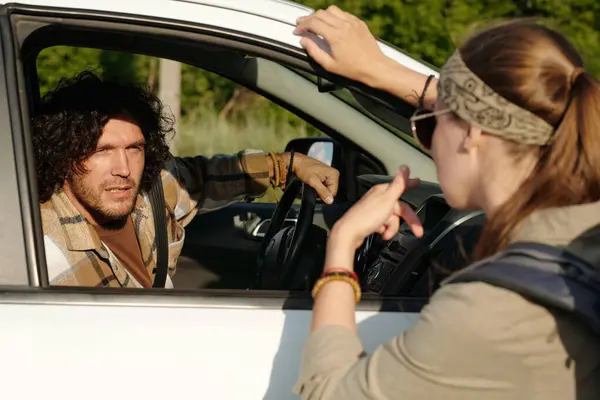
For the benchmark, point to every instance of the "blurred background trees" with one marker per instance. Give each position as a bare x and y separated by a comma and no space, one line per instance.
431,29
427,29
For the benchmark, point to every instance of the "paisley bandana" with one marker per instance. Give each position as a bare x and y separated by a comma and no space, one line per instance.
476,103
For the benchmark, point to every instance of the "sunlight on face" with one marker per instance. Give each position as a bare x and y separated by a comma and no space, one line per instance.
109,187
457,167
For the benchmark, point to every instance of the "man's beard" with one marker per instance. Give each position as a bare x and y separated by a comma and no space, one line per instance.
108,217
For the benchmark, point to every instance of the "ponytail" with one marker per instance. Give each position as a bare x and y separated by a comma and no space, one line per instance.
567,173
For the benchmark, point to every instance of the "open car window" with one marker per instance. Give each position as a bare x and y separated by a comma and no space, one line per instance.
260,66
394,119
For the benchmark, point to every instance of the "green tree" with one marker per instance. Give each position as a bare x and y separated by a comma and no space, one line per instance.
429,30
432,29
57,62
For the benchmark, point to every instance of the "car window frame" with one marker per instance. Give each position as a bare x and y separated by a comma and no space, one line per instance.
19,238
203,297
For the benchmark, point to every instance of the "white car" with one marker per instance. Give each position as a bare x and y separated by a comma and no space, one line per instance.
242,339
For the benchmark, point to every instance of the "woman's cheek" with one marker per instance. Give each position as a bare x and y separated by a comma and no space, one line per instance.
435,146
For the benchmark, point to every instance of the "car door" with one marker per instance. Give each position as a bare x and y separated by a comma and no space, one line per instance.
131,343
220,250
16,218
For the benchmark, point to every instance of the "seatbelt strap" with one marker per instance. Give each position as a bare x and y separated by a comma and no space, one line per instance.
157,201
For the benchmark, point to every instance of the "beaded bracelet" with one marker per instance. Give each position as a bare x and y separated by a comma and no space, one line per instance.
276,181
290,171
421,102
341,269
344,276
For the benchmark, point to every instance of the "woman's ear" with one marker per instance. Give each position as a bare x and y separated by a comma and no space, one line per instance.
473,138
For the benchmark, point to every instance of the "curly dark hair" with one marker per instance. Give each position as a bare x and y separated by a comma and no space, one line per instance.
69,123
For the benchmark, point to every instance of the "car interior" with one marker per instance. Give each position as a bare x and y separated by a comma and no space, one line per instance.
262,246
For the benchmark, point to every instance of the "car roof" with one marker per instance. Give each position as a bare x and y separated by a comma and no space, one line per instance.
272,19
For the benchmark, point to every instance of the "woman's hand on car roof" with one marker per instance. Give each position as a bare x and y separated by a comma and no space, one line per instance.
353,51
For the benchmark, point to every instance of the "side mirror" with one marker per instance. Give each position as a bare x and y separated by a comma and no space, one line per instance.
323,149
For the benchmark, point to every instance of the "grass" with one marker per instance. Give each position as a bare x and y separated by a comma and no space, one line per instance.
208,134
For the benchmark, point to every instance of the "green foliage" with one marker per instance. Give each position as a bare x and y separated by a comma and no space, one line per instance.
61,61
200,89
57,62
431,29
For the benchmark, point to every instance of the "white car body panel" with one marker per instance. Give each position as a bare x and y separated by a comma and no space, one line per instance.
107,351
266,18
124,352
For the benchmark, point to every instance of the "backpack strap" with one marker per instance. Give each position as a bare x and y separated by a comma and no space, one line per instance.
546,275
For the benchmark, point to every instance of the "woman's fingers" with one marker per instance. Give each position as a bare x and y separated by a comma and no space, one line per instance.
411,218
391,227
317,52
413,183
329,18
398,184
379,211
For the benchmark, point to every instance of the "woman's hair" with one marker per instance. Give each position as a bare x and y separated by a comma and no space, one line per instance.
537,69
71,118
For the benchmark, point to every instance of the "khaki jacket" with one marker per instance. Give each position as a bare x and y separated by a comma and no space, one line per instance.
473,341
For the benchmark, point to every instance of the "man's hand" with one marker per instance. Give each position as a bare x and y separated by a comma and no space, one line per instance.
354,50
321,177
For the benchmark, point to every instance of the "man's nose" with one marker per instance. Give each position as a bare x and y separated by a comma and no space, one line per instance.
120,164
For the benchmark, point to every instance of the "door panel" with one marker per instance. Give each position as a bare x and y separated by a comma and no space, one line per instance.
18,214
213,353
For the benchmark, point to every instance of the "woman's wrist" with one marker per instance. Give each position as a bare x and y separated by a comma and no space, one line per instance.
340,250
388,75
381,72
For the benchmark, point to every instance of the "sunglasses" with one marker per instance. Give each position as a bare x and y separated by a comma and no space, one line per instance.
422,125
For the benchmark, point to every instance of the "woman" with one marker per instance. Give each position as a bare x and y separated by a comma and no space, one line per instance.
518,136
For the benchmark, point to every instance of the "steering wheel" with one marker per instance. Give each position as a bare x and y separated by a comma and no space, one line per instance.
281,248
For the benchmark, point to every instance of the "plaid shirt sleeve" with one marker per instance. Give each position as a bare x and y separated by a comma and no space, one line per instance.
199,184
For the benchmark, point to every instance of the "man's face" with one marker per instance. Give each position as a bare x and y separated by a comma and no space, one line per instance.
107,191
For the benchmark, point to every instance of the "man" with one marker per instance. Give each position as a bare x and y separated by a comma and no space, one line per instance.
99,147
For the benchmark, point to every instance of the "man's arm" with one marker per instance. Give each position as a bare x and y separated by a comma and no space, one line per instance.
355,54
201,184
